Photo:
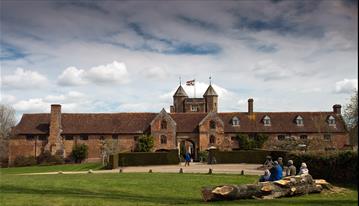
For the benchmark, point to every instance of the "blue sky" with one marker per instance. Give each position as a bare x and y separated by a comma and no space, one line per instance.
110,56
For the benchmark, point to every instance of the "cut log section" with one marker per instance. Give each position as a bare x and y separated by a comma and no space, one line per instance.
286,187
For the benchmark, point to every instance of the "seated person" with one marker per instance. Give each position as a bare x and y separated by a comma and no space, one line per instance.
265,177
303,169
269,162
291,170
276,172
280,162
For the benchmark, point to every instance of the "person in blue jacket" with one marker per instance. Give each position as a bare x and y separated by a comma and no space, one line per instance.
276,172
187,158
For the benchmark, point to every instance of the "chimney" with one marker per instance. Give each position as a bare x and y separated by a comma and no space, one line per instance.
337,109
54,141
250,106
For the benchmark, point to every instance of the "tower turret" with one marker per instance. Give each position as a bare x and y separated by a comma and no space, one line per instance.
211,98
178,99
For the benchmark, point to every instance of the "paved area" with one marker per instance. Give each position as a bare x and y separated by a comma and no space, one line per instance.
248,169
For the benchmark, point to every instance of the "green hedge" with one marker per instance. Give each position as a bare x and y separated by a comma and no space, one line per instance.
145,158
247,156
338,167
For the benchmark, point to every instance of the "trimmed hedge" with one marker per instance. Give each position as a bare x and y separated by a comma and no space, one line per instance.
247,156
338,167
144,158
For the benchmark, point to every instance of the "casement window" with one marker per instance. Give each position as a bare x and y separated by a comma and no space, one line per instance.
303,137
163,124
327,137
212,139
299,121
30,137
84,137
194,108
212,124
69,137
281,137
235,121
115,136
266,121
163,139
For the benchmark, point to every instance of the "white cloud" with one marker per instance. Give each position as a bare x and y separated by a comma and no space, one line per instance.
156,72
114,72
32,105
7,99
269,70
71,76
346,86
24,79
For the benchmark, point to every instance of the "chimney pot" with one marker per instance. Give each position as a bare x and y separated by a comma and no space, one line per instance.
337,109
250,106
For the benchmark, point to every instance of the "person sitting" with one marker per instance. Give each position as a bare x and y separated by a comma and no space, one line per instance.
303,169
280,162
291,170
276,172
265,177
269,162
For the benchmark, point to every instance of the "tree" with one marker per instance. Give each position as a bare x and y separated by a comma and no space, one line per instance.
108,147
7,120
145,143
79,152
351,111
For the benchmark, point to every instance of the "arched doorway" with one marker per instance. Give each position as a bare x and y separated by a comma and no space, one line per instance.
187,145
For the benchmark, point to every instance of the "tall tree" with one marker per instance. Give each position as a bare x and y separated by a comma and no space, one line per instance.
7,120
351,111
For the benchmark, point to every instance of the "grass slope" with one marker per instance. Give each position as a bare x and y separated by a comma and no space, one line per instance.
139,189
54,168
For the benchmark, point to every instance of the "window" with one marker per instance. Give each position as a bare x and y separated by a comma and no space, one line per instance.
266,121
135,138
299,121
42,137
327,137
69,137
235,121
331,120
115,136
84,137
233,138
304,137
163,139
30,137
163,124
212,139
281,137
102,138
212,124
194,108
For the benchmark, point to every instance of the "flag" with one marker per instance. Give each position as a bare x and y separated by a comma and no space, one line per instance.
190,83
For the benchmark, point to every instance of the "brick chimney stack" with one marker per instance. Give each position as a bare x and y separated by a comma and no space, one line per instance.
250,106
54,144
337,109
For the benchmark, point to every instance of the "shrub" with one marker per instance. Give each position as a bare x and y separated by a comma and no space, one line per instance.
22,161
46,158
246,143
203,156
338,167
145,143
79,152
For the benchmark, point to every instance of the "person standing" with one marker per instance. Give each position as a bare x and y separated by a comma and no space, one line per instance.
187,159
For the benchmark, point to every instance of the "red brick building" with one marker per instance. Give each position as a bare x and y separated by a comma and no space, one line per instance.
193,122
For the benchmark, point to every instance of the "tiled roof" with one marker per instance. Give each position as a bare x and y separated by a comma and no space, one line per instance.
180,92
210,92
111,123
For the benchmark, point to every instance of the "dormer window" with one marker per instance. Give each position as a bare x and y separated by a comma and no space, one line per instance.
331,120
235,121
194,108
266,121
163,124
299,121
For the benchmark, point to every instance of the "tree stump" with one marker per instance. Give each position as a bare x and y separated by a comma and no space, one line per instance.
286,187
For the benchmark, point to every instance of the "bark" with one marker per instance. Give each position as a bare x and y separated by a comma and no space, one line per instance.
287,187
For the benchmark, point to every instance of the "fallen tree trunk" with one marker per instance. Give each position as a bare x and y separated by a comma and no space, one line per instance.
287,187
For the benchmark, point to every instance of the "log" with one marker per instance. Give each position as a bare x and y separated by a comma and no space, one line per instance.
286,187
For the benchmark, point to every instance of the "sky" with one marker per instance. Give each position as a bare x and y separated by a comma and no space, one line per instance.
128,56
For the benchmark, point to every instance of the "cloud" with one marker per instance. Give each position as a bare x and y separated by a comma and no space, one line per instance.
114,72
7,99
156,72
24,79
269,70
346,86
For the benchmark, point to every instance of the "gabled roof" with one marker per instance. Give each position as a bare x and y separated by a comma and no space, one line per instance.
210,92
180,92
135,123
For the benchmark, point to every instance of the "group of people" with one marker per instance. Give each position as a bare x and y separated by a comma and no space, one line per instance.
274,169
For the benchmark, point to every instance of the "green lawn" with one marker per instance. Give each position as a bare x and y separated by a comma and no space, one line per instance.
139,189
54,168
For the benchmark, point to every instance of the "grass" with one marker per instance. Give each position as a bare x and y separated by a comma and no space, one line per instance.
54,168
140,189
